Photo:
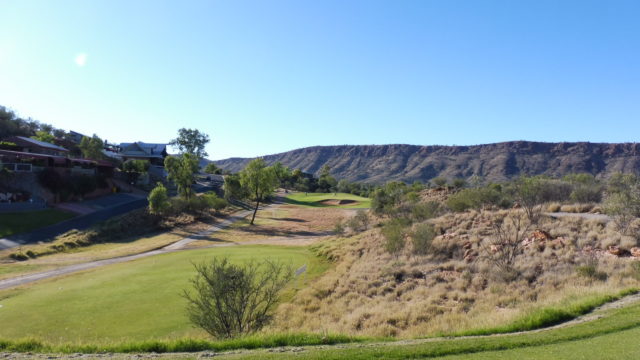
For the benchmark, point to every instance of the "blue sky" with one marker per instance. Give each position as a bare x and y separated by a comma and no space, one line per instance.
262,77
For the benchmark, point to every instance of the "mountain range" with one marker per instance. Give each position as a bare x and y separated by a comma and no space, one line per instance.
492,162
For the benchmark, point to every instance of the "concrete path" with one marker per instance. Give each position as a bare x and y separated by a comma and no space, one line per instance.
21,280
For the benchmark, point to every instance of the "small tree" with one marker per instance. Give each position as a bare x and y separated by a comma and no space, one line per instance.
394,232
44,136
191,141
326,182
211,168
359,222
134,168
439,182
232,188
623,201
505,243
259,181
158,200
91,147
421,238
230,300
182,170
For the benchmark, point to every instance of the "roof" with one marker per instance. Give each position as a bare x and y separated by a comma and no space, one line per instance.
26,155
25,141
143,149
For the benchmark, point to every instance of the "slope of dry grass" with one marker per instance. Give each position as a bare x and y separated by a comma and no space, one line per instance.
370,292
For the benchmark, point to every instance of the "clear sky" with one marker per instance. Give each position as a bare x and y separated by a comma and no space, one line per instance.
263,76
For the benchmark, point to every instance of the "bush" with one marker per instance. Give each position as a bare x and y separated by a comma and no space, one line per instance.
475,198
421,238
591,271
360,222
338,228
425,211
159,200
19,256
393,232
231,300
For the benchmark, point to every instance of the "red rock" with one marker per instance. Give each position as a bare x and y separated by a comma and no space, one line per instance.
614,250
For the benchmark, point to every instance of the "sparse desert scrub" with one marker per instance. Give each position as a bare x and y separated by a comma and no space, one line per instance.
448,290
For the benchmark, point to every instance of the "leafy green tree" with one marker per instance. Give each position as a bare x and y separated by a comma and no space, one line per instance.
134,168
233,189
259,181
44,136
191,141
343,186
211,168
182,170
282,173
326,182
158,200
91,147
229,300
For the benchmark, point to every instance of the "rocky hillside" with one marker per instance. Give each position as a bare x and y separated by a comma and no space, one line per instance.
494,162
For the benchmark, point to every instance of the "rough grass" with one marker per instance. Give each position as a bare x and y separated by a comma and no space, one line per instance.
615,336
15,223
551,315
135,301
370,292
320,200
180,345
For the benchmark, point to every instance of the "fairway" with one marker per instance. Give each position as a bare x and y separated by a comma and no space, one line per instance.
14,223
338,200
139,300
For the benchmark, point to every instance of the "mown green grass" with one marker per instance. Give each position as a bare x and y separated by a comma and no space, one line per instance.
315,200
15,223
128,302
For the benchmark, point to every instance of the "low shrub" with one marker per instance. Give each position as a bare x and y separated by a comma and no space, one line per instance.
421,238
591,271
19,256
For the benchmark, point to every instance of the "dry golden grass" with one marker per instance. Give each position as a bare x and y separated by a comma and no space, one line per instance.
369,292
281,225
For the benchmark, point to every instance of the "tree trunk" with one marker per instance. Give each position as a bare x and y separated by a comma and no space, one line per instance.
255,211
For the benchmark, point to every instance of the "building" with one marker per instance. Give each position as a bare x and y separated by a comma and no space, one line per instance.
29,145
153,153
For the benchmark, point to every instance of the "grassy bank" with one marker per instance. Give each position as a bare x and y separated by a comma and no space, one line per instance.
19,222
549,316
610,337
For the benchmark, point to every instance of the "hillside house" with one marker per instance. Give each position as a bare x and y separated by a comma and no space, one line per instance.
31,155
154,153
28,145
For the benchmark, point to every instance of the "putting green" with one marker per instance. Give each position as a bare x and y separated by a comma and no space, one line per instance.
340,200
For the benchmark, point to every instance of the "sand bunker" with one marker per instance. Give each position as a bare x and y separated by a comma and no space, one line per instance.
334,202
